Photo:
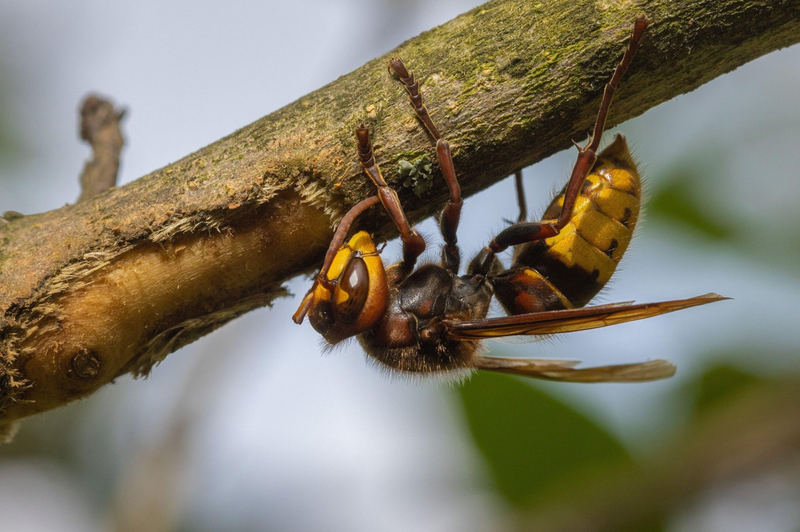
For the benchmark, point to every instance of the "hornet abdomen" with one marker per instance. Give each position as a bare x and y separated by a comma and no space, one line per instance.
569,269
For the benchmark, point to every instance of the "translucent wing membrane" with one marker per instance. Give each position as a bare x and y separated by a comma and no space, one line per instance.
570,320
565,371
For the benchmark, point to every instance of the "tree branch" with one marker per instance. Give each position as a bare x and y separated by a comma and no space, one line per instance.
100,128
113,284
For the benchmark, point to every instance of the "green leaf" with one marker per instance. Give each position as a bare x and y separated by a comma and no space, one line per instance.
676,202
533,442
719,383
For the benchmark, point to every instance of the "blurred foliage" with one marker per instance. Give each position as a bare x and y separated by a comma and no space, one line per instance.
717,384
532,441
678,202
48,436
543,454
685,202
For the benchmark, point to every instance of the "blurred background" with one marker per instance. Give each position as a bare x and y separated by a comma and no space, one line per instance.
252,428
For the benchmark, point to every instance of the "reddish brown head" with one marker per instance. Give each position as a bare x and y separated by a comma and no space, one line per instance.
351,296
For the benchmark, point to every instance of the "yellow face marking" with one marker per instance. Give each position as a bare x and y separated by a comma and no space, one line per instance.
341,296
360,241
354,312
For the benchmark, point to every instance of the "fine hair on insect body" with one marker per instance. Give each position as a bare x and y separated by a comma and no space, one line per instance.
428,319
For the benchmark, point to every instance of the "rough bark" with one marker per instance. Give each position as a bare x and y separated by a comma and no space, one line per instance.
113,284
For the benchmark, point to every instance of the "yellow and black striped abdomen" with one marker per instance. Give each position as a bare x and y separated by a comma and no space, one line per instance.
569,269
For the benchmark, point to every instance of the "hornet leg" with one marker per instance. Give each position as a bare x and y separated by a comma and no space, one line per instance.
448,221
523,232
